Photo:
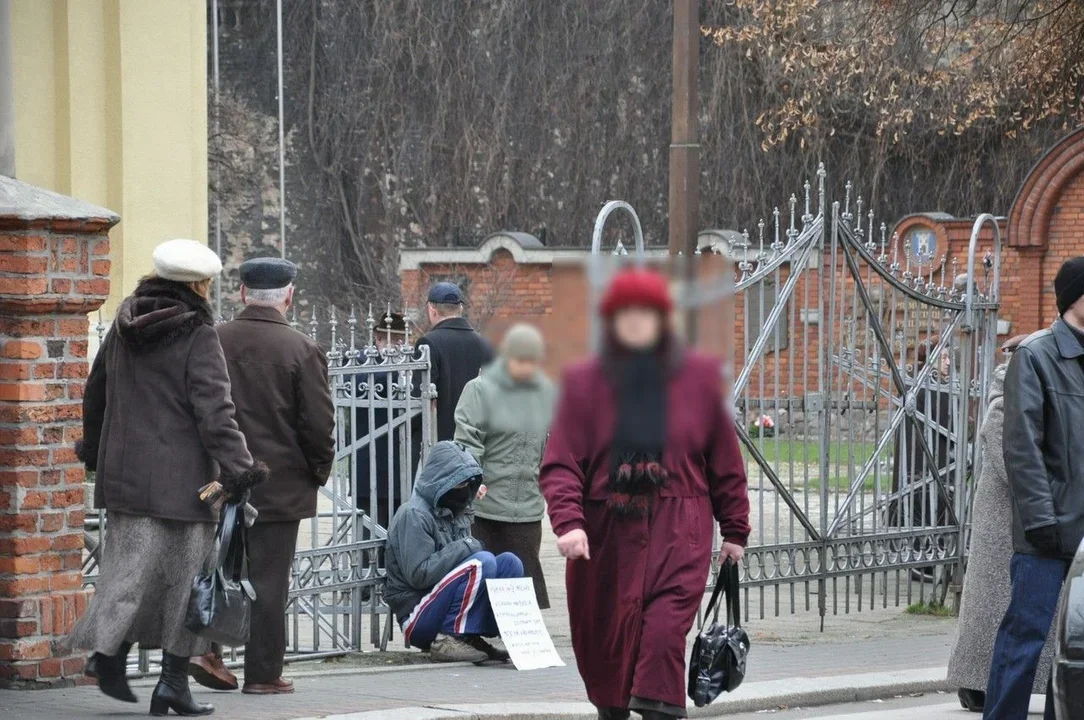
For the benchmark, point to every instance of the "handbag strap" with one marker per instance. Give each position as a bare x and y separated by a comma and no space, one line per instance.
232,543
726,584
733,598
721,580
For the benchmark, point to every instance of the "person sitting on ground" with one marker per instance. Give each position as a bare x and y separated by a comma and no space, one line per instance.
437,572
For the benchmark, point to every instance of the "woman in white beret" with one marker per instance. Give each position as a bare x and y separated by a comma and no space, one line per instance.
158,424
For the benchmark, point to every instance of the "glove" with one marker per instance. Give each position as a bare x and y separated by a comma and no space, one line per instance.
1044,539
240,497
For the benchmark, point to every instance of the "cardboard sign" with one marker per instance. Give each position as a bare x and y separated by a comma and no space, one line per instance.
520,621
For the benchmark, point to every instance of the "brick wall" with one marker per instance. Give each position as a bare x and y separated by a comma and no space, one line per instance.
54,269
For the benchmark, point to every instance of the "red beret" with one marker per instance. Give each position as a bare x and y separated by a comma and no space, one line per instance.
639,288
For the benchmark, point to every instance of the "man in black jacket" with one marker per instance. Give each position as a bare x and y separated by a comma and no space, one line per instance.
456,352
1044,458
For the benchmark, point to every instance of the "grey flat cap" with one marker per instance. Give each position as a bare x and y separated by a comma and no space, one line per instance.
267,273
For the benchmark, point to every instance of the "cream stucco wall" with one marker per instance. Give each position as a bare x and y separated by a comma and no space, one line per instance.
111,108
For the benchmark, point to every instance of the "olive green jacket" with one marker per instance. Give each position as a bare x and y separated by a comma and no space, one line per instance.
504,425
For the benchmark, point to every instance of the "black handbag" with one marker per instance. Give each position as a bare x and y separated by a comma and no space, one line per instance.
220,604
720,651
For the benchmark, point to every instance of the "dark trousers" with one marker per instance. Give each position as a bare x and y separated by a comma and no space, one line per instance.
270,554
1036,585
524,540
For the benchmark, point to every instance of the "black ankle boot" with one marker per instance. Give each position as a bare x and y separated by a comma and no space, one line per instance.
613,714
111,672
972,700
172,693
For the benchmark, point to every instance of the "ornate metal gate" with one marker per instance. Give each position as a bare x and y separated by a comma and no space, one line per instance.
384,417
860,370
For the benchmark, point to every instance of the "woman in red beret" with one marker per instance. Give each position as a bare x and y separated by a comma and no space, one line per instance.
641,457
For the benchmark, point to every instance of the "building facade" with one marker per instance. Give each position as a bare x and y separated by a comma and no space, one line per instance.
110,107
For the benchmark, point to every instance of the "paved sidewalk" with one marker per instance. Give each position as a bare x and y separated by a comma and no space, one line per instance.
322,691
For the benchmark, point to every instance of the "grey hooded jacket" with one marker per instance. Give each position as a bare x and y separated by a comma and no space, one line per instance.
425,541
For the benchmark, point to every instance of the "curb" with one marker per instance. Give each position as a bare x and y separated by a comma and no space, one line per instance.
751,697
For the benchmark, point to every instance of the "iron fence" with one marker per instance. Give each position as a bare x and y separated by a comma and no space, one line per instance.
860,366
384,418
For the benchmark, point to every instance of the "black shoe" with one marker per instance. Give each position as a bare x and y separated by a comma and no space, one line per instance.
172,693
972,700
922,575
111,672
613,714
495,651
655,715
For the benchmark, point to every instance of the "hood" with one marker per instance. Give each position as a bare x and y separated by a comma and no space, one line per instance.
997,382
497,372
159,313
448,465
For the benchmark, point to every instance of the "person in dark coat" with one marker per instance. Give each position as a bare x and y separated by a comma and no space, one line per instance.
279,380
456,352
1044,411
918,502
986,584
642,455
371,459
158,424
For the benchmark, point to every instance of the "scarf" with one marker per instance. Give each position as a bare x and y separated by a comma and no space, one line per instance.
636,470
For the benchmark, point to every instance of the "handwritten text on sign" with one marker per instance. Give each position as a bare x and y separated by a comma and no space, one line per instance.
521,625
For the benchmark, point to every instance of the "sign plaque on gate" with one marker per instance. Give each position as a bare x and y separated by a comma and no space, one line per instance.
911,318
520,621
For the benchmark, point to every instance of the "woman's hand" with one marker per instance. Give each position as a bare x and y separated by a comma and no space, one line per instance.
573,545
731,551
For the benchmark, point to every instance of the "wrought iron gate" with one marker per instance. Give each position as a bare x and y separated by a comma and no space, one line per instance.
860,371
384,419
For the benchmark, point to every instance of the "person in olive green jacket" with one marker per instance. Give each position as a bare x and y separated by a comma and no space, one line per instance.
502,418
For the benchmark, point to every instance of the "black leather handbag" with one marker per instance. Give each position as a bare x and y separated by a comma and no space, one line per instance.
220,604
720,651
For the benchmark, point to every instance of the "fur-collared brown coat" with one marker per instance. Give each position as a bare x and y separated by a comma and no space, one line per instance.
158,421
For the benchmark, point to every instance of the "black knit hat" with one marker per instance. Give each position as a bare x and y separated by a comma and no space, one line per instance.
1069,283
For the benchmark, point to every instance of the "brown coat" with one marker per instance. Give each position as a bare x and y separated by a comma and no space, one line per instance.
284,408
157,417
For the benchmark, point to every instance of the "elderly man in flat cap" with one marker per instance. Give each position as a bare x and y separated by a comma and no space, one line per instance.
284,408
1044,412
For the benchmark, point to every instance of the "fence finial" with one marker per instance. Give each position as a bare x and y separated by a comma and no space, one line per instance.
822,174
807,216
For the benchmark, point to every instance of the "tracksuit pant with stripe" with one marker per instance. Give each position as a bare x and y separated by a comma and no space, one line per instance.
459,603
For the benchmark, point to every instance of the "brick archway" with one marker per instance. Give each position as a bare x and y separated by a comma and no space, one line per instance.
1046,183
1046,227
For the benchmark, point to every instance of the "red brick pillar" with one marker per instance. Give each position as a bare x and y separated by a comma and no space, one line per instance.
54,269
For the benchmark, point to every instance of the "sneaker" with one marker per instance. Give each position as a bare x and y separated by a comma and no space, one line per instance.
447,648
492,647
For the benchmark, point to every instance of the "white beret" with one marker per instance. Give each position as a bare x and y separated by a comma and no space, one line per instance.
185,261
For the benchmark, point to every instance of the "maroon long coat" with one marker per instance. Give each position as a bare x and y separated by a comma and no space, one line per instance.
633,603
